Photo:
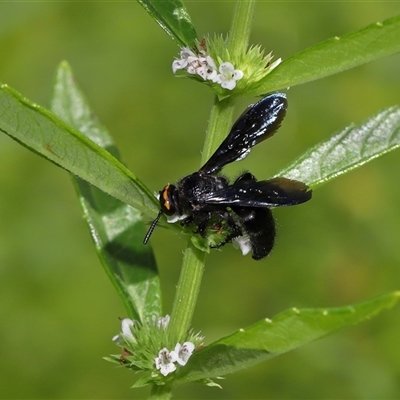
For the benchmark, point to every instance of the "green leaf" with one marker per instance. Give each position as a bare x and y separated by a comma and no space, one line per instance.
334,55
47,135
117,229
144,380
269,338
349,149
172,16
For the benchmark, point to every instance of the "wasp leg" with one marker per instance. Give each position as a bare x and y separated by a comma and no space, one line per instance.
235,231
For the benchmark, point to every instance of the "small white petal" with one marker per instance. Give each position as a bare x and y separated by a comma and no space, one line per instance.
275,64
173,356
217,79
229,84
127,323
226,68
193,60
177,348
237,74
244,243
228,76
171,219
116,339
187,57
165,361
167,369
184,352
203,72
186,53
167,356
178,64
192,69
163,322
212,75
211,62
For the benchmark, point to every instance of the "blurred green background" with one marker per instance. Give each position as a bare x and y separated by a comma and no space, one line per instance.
58,311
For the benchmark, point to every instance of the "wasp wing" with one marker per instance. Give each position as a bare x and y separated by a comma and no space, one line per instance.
257,123
275,192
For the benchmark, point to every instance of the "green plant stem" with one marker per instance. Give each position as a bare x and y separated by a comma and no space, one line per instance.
218,126
186,293
241,27
194,260
161,392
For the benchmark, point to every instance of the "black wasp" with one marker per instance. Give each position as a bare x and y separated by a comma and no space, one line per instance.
238,211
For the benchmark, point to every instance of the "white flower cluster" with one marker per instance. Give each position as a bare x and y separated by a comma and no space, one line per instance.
203,65
166,359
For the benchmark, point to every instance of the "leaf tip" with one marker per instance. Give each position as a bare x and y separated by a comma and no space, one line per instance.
64,64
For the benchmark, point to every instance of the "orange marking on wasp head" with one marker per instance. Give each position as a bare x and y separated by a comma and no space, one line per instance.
166,202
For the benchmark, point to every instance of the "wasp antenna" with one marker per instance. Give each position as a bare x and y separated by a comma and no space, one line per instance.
152,227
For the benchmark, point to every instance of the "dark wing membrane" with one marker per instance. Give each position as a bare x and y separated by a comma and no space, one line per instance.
275,192
257,123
